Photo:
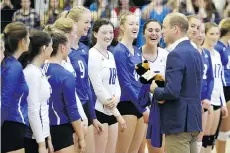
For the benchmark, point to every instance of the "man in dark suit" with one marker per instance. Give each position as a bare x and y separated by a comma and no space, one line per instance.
181,111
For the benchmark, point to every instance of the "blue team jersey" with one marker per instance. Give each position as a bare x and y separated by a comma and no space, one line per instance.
208,78
225,59
14,92
62,103
79,61
128,78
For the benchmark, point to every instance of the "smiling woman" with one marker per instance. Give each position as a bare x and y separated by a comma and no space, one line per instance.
127,56
103,76
156,57
218,102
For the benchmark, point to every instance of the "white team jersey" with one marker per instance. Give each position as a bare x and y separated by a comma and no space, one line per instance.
217,97
103,76
38,107
68,66
159,64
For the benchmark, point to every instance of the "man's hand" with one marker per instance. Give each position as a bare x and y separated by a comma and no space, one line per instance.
153,86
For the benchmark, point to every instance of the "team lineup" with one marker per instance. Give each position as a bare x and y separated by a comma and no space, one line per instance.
59,95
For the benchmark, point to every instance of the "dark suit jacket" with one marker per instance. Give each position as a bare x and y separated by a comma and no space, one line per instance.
181,111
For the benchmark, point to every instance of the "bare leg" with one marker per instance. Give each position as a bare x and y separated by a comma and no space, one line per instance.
112,138
207,130
215,122
90,142
69,149
144,142
138,136
224,127
125,138
18,151
101,140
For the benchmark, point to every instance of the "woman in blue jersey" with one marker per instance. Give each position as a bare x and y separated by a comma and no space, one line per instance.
14,89
223,47
103,76
64,117
79,59
196,34
37,137
2,47
156,57
68,26
218,102
126,57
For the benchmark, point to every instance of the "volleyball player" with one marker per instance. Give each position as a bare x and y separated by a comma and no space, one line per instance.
156,57
196,33
14,89
64,117
217,97
126,57
67,25
38,133
103,76
223,47
79,59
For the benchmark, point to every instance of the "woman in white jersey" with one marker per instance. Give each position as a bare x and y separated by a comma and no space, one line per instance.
103,75
218,102
37,136
156,57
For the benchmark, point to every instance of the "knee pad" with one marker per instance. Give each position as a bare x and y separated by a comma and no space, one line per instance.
208,141
211,140
205,141
223,136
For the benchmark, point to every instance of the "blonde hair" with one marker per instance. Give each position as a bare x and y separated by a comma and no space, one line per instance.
74,13
58,37
190,17
123,19
209,25
178,19
64,24
224,26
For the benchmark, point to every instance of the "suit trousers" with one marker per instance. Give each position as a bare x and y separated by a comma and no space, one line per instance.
185,142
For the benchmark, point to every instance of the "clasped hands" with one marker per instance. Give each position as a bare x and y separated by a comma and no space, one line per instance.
112,103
